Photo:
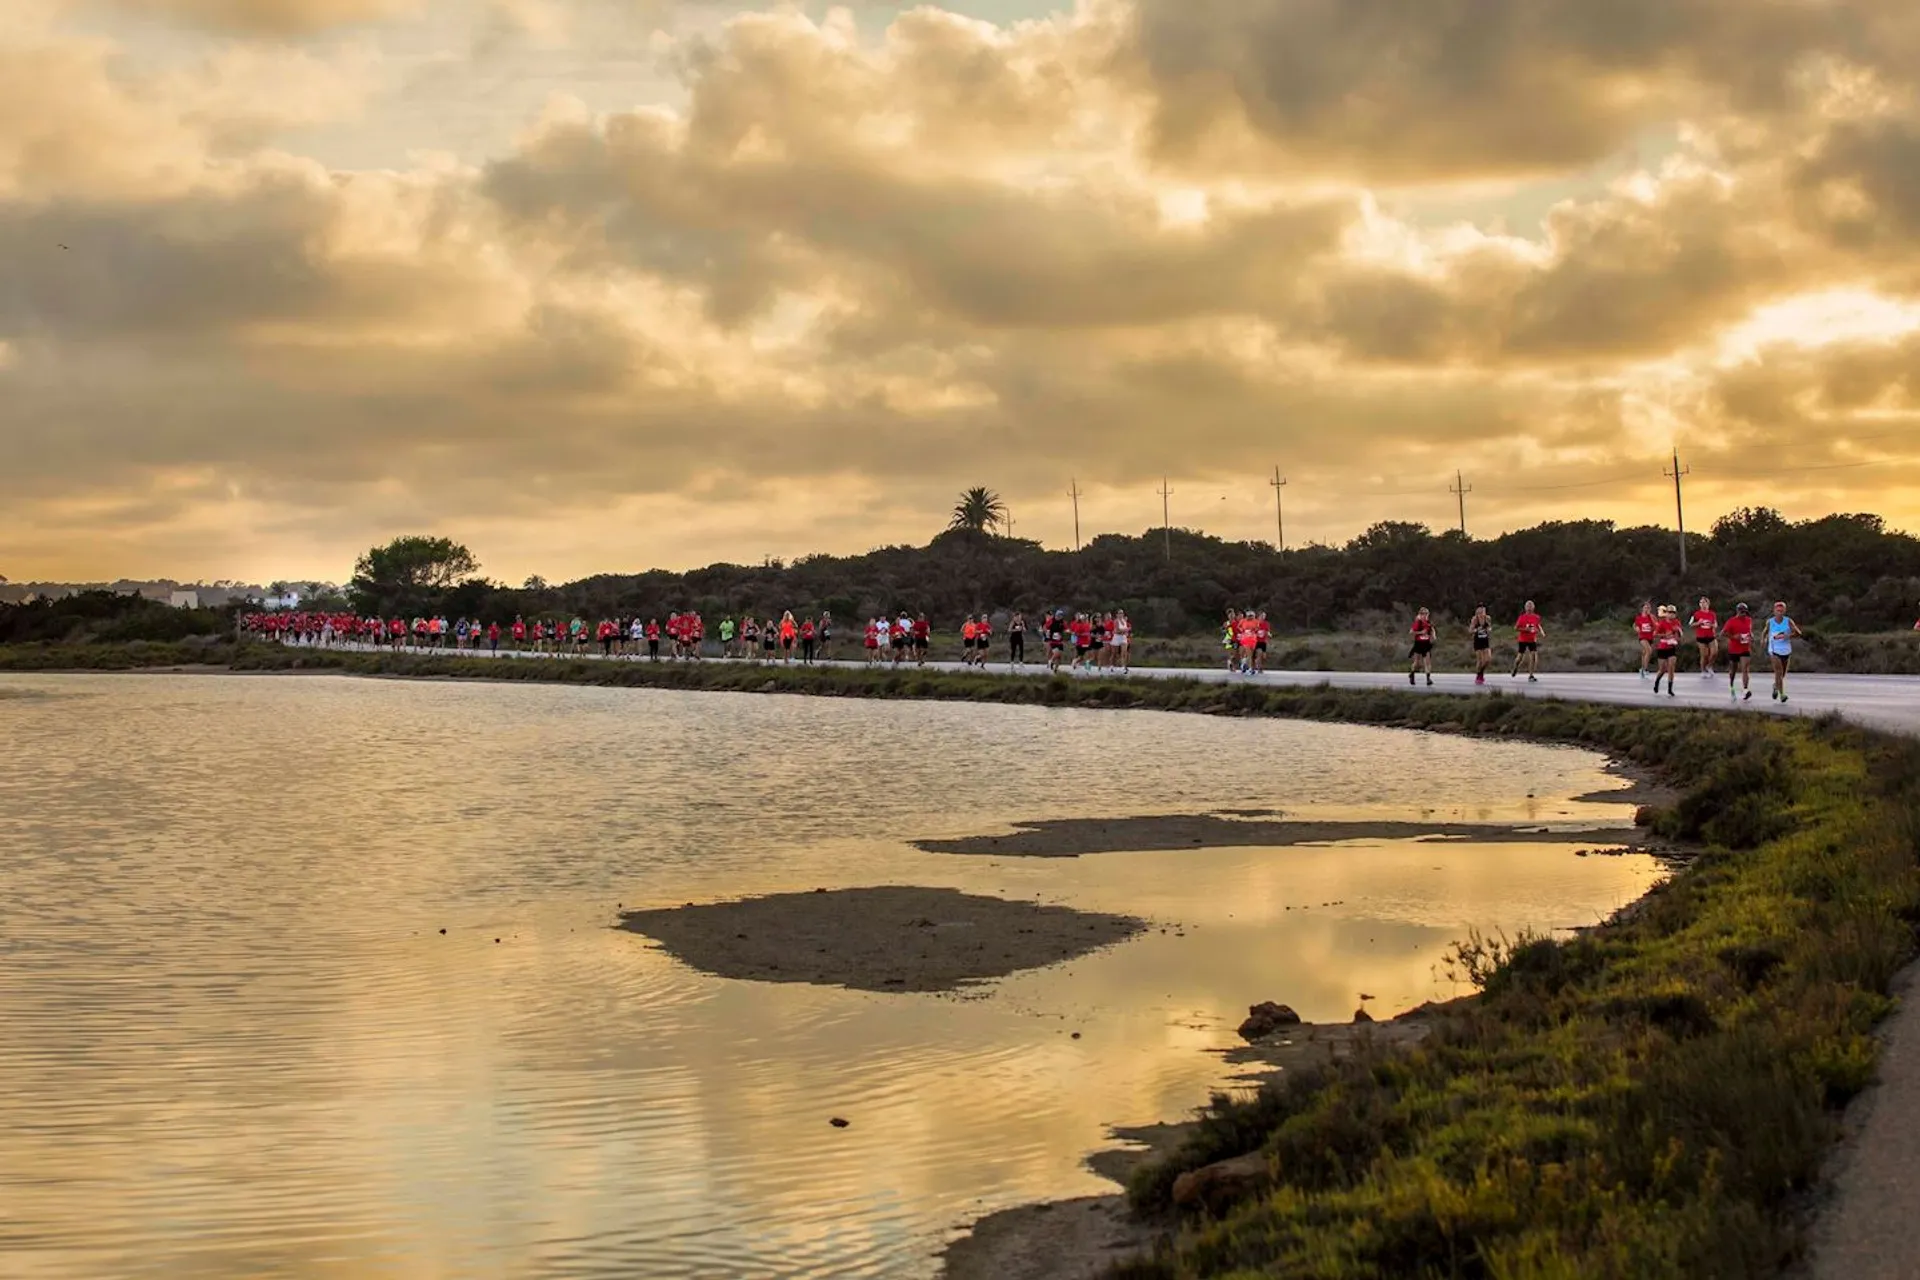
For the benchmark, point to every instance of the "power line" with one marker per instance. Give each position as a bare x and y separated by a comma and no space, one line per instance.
1166,519
1279,482
1679,508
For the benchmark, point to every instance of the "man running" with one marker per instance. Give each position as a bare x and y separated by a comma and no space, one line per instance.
1739,634
1782,631
1421,655
1527,634
1706,635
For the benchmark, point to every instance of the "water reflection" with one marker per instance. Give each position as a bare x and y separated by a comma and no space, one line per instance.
238,1044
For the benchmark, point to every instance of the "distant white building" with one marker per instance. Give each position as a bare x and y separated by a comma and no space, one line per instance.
184,599
288,600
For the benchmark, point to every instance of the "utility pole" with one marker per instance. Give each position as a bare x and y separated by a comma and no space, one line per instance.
1679,507
1007,519
1166,519
1460,489
1073,491
1279,482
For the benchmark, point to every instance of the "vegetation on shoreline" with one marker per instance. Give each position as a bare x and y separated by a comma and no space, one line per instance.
1645,1099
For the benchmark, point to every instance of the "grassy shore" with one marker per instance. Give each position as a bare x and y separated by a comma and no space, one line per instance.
1648,1099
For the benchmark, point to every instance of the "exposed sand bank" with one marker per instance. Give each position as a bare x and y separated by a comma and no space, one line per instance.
890,938
1072,837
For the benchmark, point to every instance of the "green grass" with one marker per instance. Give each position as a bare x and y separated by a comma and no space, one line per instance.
1647,1099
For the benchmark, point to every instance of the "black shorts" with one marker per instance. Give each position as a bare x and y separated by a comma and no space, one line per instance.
1745,656
1665,651
899,642
1529,646
1703,641
1482,644
1259,646
1421,648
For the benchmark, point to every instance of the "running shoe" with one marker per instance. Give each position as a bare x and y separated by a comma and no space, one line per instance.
1643,673
1749,697
1670,692
1733,693
1783,697
1429,682
1481,678
1409,677
1533,679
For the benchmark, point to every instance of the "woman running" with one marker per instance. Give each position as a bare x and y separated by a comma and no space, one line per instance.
966,642
1056,631
1421,655
809,634
872,641
1480,632
1230,638
1123,640
1017,640
789,633
1781,633
982,637
769,639
1666,648
824,634
1644,627
1706,634
1739,635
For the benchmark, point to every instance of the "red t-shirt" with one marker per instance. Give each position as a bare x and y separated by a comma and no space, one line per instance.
1667,632
1706,624
1527,627
1422,630
1645,626
1739,635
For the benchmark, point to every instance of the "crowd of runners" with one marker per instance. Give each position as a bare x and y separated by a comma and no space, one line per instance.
1661,636
1086,641
1098,641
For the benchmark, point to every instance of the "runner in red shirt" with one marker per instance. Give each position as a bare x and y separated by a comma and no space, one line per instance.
873,642
1421,655
519,632
1666,648
1527,634
1644,626
1739,634
1706,634
1262,633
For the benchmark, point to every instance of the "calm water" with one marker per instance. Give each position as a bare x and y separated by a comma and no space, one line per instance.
236,1044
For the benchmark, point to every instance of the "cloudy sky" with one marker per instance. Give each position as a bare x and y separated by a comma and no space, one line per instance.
605,284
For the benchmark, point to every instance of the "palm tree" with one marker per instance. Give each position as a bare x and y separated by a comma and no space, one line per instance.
980,510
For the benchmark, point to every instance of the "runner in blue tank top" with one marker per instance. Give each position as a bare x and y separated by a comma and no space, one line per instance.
1781,633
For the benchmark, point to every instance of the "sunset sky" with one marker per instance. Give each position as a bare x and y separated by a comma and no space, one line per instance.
600,285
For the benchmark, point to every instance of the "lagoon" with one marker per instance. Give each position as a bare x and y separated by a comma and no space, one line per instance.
238,1043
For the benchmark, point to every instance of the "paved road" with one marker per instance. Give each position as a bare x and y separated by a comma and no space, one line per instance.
1890,702
1870,1229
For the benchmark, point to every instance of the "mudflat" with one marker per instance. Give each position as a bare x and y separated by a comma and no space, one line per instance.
1073,837
886,938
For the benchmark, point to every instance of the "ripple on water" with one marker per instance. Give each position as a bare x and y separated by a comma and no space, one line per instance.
237,1043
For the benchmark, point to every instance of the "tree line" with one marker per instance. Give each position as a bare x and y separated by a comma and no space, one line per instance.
1844,572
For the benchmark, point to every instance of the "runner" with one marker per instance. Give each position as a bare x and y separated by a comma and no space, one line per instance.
1781,633
1096,633
1262,633
1480,632
982,637
1706,635
789,632
873,639
1666,648
825,636
1528,633
726,636
1249,637
809,631
1421,655
1644,627
1230,638
1017,640
1739,634
1082,632
922,639
653,639
1123,640
1056,632
967,630
493,637
769,639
